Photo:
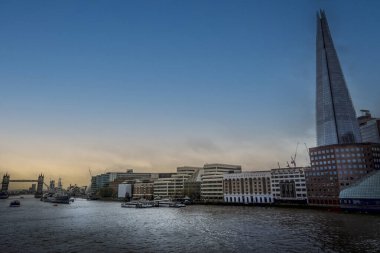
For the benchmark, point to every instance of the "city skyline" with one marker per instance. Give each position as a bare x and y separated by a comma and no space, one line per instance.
229,83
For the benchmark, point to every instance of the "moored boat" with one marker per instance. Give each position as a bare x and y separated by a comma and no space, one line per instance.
56,197
4,195
129,205
15,203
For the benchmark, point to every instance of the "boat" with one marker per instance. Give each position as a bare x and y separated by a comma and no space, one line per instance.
139,204
144,205
15,203
129,205
169,203
4,195
92,197
56,197
177,205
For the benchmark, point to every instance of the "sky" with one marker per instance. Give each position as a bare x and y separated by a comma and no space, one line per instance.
153,85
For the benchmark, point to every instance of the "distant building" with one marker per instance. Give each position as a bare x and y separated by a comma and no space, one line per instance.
33,188
289,185
143,190
336,167
192,187
248,187
124,191
212,181
369,127
52,184
363,195
173,187
104,180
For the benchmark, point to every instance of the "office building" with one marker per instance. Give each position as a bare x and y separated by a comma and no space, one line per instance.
369,127
212,181
363,195
143,190
336,167
104,180
289,185
336,117
173,186
249,187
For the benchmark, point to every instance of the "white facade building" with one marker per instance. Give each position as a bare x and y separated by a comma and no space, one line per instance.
289,185
212,181
250,187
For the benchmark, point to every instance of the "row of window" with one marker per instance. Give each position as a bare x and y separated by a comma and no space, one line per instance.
322,168
288,176
320,157
282,180
298,195
248,200
341,150
340,172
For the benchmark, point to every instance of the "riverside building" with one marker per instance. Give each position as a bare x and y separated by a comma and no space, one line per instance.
249,187
173,187
143,189
105,179
289,185
212,181
363,195
336,167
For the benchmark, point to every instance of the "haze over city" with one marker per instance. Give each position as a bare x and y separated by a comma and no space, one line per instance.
151,86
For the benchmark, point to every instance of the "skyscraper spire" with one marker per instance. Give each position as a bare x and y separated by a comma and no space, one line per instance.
336,117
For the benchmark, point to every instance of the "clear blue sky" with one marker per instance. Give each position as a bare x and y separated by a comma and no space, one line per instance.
152,85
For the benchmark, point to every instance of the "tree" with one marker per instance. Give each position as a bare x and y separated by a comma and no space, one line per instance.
106,192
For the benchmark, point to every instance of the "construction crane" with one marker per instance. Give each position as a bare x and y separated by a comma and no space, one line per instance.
307,150
293,159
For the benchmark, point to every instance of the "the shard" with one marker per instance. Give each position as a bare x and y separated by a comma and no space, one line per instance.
336,117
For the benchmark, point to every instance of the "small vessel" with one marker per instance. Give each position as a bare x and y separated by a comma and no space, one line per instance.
177,205
169,203
129,205
139,204
144,205
56,197
4,195
15,203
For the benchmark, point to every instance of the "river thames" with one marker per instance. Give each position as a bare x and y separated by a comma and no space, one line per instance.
96,226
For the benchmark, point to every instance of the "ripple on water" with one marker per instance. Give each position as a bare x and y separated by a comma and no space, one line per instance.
95,226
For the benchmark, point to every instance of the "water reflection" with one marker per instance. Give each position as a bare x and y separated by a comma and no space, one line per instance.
95,226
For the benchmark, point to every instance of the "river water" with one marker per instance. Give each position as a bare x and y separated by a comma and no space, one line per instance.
96,226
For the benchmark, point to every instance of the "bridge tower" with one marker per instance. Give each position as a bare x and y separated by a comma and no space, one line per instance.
40,184
5,183
4,187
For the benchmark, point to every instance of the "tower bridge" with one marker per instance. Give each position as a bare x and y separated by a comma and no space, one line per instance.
7,180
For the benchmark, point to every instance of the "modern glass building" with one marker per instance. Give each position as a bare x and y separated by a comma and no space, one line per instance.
369,127
364,195
336,117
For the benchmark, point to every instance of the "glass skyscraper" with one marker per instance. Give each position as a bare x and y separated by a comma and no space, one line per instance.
336,117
